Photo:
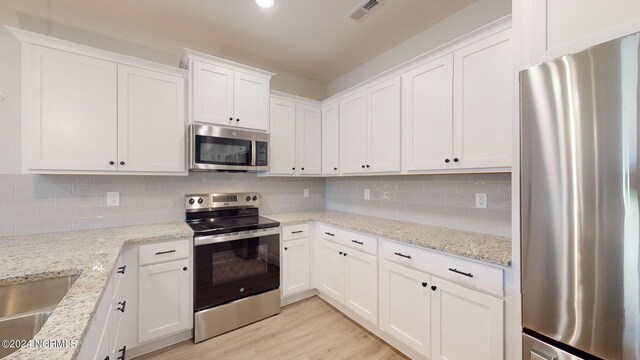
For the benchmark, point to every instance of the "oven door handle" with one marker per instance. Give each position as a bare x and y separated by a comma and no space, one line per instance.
214,239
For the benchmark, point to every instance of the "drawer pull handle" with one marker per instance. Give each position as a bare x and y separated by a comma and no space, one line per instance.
123,305
357,242
403,255
165,252
330,234
461,273
121,269
123,351
297,232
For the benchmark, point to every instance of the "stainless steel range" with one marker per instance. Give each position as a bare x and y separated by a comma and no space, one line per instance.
237,262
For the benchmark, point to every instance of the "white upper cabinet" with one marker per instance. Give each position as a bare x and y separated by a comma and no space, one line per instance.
353,118
212,97
383,113
226,93
560,27
283,137
427,115
483,111
151,121
331,139
89,111
371,129
309,140
70,119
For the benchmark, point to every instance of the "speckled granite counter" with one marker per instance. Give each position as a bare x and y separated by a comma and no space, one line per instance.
90,253
489,248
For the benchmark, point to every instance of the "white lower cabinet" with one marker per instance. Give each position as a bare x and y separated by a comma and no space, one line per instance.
141,302
295,266
164,299
405,305
350,277
460,315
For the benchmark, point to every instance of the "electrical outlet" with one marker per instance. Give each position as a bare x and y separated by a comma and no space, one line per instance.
481,200
113,199
306,192
367,194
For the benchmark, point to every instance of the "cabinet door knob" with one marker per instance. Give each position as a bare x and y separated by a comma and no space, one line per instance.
368,166
340,252
363,166
111,163
230,119
447,160
293,168
286,249
237,120
184,268
121,162
335,168
345,254
434,288
302,169
456,159
424,284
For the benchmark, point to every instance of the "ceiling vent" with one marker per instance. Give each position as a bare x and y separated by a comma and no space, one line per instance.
365,9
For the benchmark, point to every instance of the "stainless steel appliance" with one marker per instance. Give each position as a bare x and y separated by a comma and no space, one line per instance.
237,262
215,148
580,212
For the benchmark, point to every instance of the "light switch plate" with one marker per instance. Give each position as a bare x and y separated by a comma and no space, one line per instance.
306,192
367,194
113,199
481,200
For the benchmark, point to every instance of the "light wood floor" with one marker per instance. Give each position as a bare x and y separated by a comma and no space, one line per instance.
309,329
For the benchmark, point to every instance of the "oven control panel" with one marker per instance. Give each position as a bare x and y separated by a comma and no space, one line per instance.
195,202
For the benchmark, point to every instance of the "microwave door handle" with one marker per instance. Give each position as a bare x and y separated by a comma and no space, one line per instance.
253,152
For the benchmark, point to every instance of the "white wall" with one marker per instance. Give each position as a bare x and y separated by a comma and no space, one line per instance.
464,21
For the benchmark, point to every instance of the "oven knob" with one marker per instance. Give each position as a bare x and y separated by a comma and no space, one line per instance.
248,198
191,201
255,198
200,200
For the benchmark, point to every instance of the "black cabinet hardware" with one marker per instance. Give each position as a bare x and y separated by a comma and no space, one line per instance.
335,168
345,254
123,351
184,268
368,166
230,119
111,163
340,252
363,166
461,273
357,242
121,269
403,255
424,284
121,162
447,160
293,168
434,288
302,169
297,232
238,120
123,305
107,358
286,249
330,234
165,252
456,159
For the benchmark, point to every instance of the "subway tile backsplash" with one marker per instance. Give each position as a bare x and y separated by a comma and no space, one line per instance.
440,200
45,203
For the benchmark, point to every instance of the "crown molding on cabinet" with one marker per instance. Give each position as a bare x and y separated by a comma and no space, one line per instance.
188,54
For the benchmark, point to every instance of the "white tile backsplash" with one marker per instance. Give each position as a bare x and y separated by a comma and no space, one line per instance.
44,203
441,200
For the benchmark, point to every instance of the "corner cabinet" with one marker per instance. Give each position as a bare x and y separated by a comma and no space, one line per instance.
296,137
88,111
226,93
371,129
451,120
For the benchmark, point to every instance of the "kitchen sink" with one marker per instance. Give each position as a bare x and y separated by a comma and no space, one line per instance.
25,307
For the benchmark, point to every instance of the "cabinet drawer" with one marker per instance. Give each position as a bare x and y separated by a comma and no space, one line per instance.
295,232
465,272
366,243
163,251
328,233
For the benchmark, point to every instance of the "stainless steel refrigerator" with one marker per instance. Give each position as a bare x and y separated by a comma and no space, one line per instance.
580,213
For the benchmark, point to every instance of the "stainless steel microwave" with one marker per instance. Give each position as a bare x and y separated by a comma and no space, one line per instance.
214,148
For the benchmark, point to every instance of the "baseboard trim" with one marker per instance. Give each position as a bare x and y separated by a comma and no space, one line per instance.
298,297
160,343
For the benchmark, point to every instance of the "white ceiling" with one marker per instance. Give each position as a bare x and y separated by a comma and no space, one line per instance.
313,39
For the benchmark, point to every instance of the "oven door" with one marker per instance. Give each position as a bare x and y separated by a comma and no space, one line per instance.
215,148
229,268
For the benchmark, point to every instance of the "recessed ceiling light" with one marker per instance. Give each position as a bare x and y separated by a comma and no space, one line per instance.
266,3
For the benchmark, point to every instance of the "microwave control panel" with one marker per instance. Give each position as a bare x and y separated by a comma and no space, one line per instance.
261,153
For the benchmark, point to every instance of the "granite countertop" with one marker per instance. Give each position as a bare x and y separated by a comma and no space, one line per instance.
90,253
488,248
